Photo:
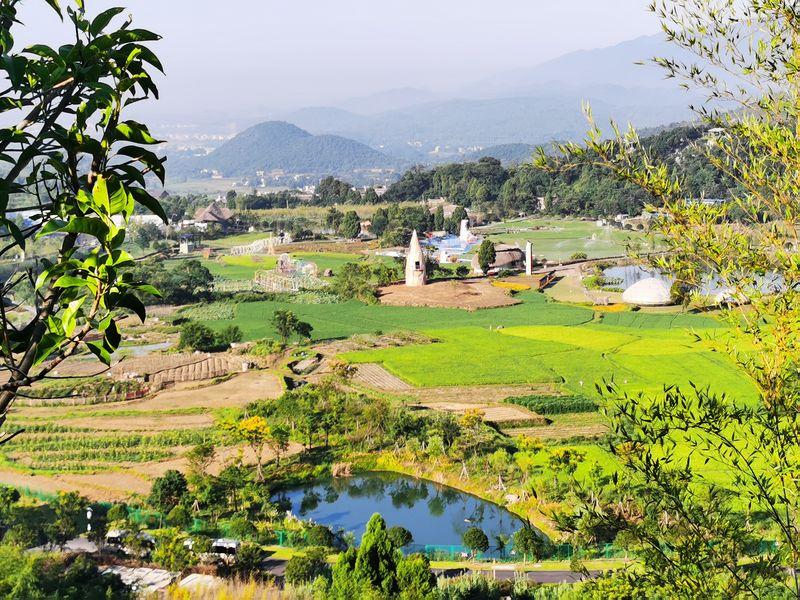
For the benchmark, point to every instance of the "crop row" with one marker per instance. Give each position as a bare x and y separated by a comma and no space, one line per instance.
181,437
46,427
79,466
554,405
105,455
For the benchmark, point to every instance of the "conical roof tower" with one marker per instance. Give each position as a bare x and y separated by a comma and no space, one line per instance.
415,263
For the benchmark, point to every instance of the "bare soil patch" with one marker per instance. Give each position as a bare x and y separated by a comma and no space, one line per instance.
480,394
156,422
470,294
101,487
492,413
237,391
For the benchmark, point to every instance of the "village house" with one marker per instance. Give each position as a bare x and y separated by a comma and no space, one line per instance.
507,258
216,213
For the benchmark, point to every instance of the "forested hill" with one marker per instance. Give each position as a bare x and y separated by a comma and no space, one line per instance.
585,189
276,145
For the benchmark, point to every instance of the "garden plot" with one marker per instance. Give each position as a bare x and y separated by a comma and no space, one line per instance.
377,377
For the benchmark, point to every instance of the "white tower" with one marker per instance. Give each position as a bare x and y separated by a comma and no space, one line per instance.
528,259
415,263
465,234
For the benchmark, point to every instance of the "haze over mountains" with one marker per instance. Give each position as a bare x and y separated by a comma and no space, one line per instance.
528,106
512,110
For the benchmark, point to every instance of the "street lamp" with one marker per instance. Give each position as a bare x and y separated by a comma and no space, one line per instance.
89,519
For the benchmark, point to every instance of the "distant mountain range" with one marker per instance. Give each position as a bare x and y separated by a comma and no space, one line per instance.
504,116
280,146
525,106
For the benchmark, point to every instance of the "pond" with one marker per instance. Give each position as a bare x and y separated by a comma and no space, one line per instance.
434,514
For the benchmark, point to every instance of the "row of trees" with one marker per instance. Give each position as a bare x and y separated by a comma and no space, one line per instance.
585,188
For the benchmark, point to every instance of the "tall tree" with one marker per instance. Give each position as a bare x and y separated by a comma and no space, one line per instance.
78,163
695,533
350,226
486,255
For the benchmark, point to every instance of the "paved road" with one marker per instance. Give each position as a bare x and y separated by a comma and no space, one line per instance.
505,573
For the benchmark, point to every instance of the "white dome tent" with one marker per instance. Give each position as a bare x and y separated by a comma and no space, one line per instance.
648,292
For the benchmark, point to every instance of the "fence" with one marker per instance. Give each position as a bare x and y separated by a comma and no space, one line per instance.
445,552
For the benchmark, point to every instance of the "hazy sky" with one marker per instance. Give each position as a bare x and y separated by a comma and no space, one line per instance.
259,55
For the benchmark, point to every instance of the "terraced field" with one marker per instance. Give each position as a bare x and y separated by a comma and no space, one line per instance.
108,452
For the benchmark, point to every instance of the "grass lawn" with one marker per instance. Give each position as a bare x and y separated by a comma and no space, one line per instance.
558,239
331,321
244,267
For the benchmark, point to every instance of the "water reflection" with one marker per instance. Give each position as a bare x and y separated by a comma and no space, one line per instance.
434,514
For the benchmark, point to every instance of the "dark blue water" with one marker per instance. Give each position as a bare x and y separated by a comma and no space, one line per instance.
435,515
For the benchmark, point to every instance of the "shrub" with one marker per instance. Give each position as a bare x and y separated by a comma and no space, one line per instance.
514,287
400,536
265,347
232,334
171,552
197,336
306,568
554,405
179,516
241,528
475,586
475,539
579,256
249,559
320,535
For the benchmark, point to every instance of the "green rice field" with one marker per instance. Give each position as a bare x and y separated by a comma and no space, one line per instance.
244,267
535,342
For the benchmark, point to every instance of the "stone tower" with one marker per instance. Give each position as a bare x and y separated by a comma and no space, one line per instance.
415,263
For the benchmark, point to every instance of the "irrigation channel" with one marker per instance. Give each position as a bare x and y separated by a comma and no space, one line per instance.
437,516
